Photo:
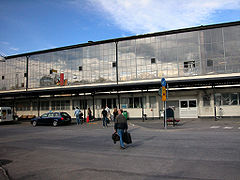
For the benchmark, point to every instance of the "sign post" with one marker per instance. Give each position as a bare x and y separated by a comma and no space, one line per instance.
164,98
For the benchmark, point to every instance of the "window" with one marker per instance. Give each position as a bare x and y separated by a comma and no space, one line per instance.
80,68
82,104
111,103
209,62
184,104
23,106
62,105
192,103
234,98
45,115
130,102
218,99
189,65
56,114
50,115
153,60
2,77
114,64
44,105
124,103
206,100
137,102
226,99
34,106
9,111
152,101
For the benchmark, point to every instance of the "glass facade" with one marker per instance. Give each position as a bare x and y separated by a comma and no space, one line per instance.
194,53
13,74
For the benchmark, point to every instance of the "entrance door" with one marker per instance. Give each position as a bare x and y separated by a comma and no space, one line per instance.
188,108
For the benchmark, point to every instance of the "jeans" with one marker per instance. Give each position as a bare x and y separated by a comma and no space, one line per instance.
78,119
120,133
105,121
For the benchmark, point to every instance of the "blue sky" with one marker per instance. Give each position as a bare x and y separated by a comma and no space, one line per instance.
33,25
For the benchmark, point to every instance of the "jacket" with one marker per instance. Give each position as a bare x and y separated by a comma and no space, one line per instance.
121,122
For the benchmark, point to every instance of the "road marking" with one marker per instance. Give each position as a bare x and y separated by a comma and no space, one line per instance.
227,127
215,127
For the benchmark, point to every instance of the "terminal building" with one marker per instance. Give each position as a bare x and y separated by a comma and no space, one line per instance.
200,64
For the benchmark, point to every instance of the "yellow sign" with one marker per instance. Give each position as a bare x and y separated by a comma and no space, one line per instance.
164,93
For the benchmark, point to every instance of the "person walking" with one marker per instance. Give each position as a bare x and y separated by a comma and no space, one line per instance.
120,126
104,119
89,112
115,113
77,114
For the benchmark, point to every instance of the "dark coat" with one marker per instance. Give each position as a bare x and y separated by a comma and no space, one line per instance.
104,113
121,122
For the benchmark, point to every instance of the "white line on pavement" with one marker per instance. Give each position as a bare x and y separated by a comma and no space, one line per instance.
227,127
215,127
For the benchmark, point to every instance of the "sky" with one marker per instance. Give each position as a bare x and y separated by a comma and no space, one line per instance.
33,25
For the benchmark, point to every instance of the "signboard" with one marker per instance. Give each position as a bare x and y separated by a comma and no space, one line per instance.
61,79
164,93
163,82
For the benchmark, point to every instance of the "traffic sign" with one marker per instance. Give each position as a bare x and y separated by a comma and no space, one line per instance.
164,93
163,82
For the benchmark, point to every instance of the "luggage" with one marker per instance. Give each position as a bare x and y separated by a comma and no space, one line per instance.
115,137
127,137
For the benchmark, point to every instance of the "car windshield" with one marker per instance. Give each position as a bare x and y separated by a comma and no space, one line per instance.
64,114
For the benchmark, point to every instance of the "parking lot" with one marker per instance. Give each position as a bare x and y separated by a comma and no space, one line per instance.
196,149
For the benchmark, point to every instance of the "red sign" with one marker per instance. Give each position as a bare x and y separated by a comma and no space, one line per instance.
61,79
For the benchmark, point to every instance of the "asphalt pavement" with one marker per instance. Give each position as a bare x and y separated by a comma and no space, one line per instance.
201,149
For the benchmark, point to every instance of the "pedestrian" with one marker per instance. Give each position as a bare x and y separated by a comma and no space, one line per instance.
104,119
115,113
108,112
89,112
77,113
120,126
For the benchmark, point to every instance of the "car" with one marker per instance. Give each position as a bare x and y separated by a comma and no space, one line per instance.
52,118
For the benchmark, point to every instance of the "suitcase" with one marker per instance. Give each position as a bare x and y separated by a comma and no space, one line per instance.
127,137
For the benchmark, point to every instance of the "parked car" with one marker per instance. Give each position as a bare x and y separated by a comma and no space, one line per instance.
53,118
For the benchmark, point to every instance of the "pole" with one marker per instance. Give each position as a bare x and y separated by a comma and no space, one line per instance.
26,75
165,114
117,61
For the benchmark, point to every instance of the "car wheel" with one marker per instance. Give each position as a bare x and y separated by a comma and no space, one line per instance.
34,123
55,123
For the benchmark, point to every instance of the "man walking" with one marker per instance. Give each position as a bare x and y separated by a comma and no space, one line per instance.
104,119
77,114
120,126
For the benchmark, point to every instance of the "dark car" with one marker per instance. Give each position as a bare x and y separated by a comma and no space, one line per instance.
53,118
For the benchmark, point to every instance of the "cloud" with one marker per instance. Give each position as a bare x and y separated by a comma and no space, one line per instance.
14,49
144,16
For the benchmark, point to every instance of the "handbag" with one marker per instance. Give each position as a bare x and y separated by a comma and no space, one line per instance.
115,137
127,137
